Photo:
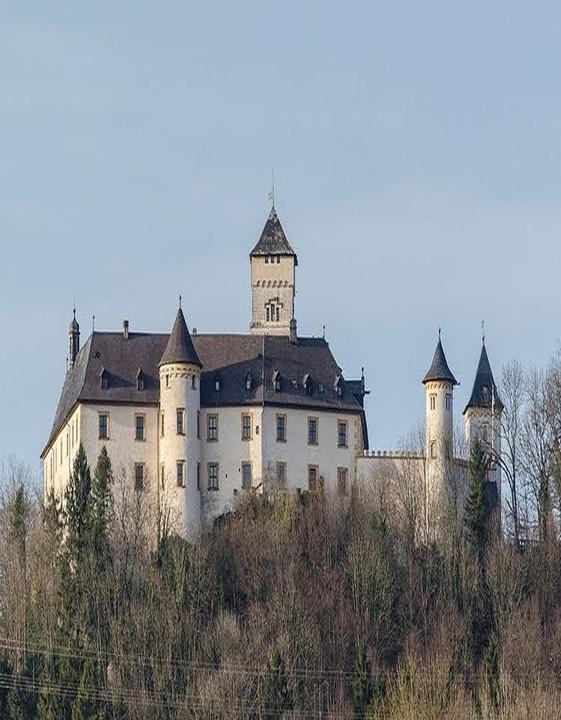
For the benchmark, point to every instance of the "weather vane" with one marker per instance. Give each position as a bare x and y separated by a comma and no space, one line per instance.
272,190
483,332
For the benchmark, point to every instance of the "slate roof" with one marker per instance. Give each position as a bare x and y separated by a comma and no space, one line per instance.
179,348
439,369
228,356
484,392
273,239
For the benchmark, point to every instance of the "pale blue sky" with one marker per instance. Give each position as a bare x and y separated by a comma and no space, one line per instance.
417,149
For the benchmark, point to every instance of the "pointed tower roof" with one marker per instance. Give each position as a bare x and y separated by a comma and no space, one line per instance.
484,393
180,348
439,369
273,240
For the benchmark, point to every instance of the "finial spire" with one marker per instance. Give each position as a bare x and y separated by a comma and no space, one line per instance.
272,190
439,333
483,332
93,323
180,301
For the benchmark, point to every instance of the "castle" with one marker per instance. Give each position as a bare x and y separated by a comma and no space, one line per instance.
195,419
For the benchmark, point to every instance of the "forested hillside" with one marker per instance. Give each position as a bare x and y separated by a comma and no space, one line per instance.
290,607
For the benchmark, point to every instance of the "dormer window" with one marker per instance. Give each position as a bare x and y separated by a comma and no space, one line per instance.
140,383
307,382
103,379
339,385
320,388
248,381
277,381
217,383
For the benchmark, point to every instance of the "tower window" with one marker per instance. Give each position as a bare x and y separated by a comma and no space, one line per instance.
198,423
266,259
162,475
180,421
433,449
278,259
103,426
432,400
194,382
246,475
139,422
162,424
138,476
167,381
212,428
485,432
268,313
199,476
213,476
181,473
448,402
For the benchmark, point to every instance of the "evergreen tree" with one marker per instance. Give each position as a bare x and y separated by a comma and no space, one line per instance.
101,509
362,686
18,523
86,706
476,515
76,512
277,693
491,673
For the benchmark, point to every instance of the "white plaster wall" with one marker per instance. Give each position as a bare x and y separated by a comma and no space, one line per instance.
57,463
229,451
296,452
123,450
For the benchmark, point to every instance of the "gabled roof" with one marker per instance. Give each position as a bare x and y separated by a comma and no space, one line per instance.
484,393
439,369
273,240
180,348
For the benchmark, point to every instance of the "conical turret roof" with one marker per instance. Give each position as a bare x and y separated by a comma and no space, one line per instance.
273,239
439,369
180,348
484,393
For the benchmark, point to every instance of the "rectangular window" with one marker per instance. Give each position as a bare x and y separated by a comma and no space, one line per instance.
246,427
342,433
103,426
278,312
485,432
162,425
162,475
312,431
281,473
213,476
281,428
448,402
342,475
180,473
313,484
268,311
139,427
180,421
432,399
246,475
199,477
212,428
198,423
138,476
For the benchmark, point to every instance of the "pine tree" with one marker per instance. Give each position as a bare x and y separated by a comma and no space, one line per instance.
101,509
277,693
76,512
362,686
86,706
476,515
491,672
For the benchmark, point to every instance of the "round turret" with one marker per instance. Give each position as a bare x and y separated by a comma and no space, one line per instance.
179,444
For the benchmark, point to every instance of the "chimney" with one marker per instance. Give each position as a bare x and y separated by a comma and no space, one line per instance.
293,337
126,329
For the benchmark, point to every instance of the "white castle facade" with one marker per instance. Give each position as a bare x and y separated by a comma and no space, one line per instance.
194,420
